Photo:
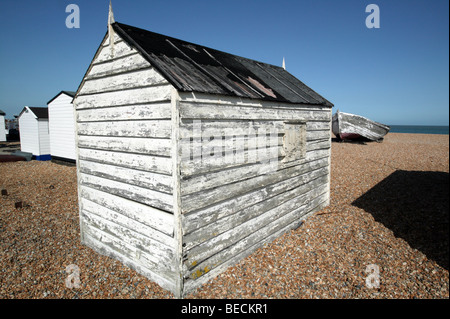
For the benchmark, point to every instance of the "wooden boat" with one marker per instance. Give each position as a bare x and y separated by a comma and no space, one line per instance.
352,127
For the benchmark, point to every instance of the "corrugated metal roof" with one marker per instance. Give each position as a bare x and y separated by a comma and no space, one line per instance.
195,68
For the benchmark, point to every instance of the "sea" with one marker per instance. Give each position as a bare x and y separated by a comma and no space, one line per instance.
419,129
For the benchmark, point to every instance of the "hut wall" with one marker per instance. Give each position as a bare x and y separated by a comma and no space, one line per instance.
29,133
2,129
62,127
231,206
123,118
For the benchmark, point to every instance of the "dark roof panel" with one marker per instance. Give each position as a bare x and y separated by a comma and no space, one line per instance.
2,113
40,112
194,68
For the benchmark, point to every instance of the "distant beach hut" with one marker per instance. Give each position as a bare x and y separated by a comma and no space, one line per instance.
2,127
189,158
62,126
34,132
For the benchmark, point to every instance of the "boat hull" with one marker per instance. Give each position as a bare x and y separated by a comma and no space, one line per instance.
348,126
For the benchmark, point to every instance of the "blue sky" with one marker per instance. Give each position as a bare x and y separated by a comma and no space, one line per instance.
397,74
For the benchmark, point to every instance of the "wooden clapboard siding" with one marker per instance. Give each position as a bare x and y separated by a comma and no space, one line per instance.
148,129
219,193
220,112
159,223
150,111
148,163
211,214
144,179
124,149
200,235
138,78
142,145
62,127
229,208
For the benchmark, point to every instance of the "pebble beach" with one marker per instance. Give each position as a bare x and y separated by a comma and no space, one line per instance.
385,235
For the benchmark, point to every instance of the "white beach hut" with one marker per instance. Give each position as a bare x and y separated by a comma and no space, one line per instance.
2,127
189,158
62,126
34,132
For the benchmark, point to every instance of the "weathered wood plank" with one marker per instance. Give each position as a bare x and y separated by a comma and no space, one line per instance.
204,98
318,126
271,157
206,197
217,161
101,218
154,181
136,161
318,145
148,146
222,225
200,129
212,213
160,223
109,246
316,201
207,128
108,238
150,128
126,97
121,49
150,111
221,112
116,66
317,135
192,184
139,78
135,193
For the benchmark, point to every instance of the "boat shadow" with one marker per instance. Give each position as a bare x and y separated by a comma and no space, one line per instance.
415,206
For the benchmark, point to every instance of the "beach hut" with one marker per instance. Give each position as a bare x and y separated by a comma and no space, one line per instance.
62,126
34,132
2,127
189,158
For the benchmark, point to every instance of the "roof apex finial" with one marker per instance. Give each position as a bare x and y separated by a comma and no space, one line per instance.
110,28
284,63
111,14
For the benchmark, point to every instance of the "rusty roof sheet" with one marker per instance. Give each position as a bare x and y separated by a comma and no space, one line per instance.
194,68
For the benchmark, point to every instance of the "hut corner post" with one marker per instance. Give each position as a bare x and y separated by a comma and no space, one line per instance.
77,158
329,158
176,160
